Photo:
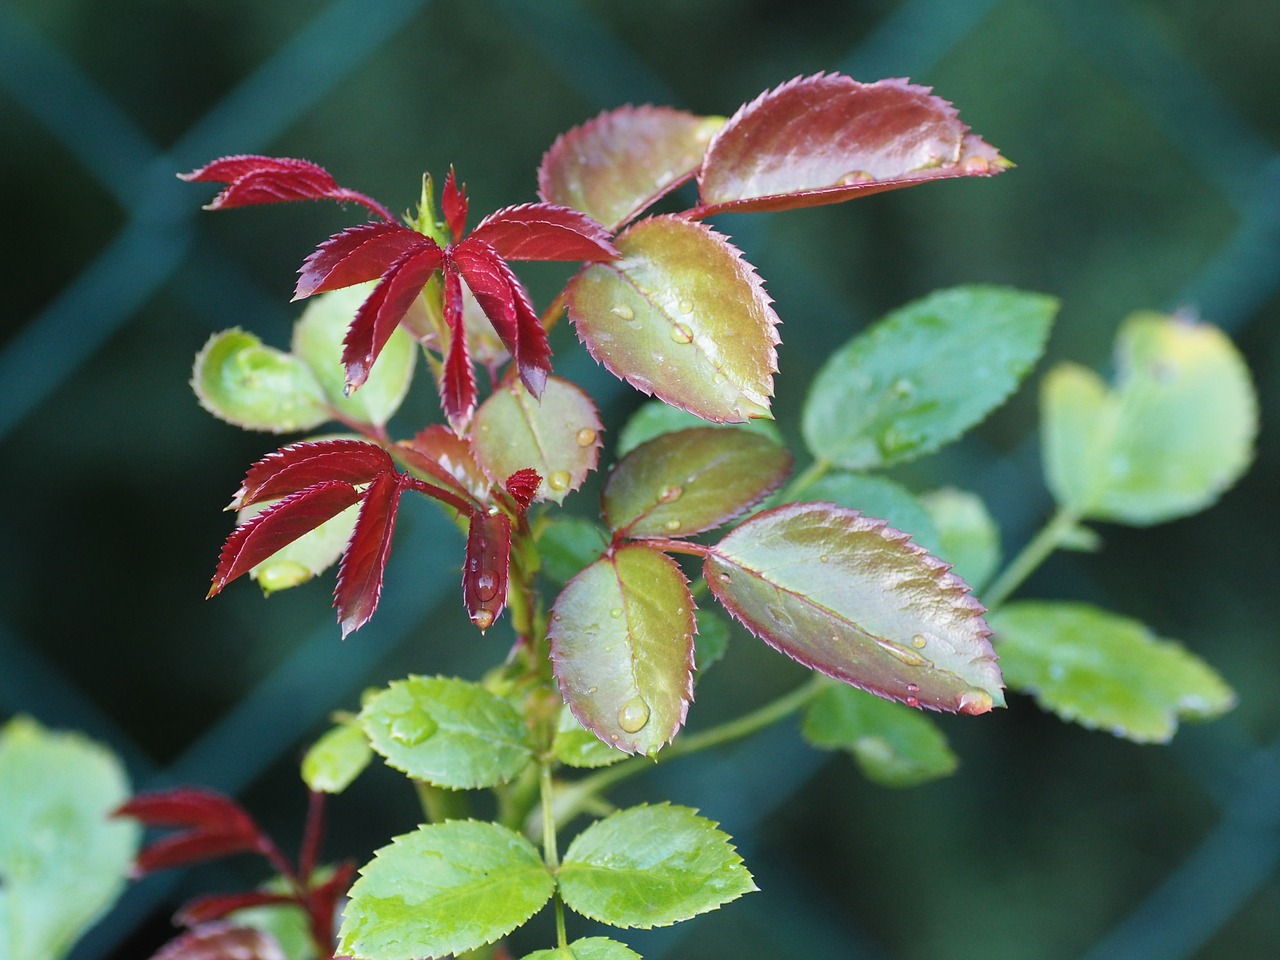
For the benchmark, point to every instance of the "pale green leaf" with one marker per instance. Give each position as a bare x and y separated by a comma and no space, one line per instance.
336,759
893,745
311,554
879,498
591,948
968,537
651,866
1105,671
924,375
447,732
240,380
653,418
444,889
63,860
682,317
1176,430
576,746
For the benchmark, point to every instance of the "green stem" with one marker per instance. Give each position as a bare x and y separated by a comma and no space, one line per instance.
550,853
811,474
1031,556
439,804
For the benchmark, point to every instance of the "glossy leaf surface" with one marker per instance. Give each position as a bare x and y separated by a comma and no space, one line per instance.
651,866
683,483
222,941
968,537
253,180
1176,430
558,435
621,637
854,599
447,732
365,560
63,862
486,566
827,138
893,745
622,161
1105,671
924,375
880,498
356,255
310,555
448,458
336,759
654,418
590,948
444,889
544,231
241,381
682,317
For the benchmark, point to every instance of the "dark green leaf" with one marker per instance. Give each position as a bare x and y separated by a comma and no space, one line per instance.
879,498
683,317
654,418
241,381
893,745
447,732
967,535
592,948
444,889
621,637
856,600
683,483
651,867
567,544
1105,671
712,640
924,375
336,759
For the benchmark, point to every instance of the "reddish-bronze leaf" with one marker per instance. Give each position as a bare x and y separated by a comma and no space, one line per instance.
624,160
458,384
827,138
191,846
222,941
453,199
544,231
322,901
360,575
215,907
187,807
255,180
523,486
301,465
378,316
279,525
356,255
484,573
440,453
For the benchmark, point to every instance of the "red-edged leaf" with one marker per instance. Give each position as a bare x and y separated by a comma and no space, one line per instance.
617,164
458,385
355,255
360,576
827,138
544,231
188,807
523,486
255,180
215,907
440,453
279,525
222,941
231,169
192,846
391,299
453,199
484,573
301,465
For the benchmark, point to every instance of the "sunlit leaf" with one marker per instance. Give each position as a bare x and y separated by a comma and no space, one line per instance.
619,163
447,732
967,535
558,435
621,637
924,375
444,889
879,498
683,483
336,759
893,745
653,418
591,948
1105,671
241,381
62,861
651,866
827,138
856,600
1174,433
682,317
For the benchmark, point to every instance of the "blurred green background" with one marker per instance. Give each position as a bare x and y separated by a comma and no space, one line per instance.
1146,136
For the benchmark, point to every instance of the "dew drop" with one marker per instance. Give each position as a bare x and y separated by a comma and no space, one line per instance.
616,612
913,688
593,690
412,728
918,641
685,306
975,701
681,334
824,558
667,494
906,655
486,587
976,165
717,378
912,702
559,480
633,715
493,511
855,176
586,437
725,578
622,311
672,524
634,324
904,387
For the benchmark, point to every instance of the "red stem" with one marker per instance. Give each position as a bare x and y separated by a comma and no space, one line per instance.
439,493
312,835
676,546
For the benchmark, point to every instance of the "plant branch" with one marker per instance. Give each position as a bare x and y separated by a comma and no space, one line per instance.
810,475
1031,556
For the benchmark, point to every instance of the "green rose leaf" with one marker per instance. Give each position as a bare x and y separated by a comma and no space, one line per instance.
592,948
1105,671
311,554
240,380
924,375
63,861
712,640
968,537
682,317
879,498
621,637
613,167
1175,431
893,745
654,418
651,866
317,341
853,598
576,746
447,732
444,889
567,544
336,759
683,483
557,434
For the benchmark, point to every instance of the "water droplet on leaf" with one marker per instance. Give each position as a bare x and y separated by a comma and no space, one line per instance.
633,715
616,612
672,524
686,306
975,701
681,334
977,165
559,480
412,728
906,655
855,176
918,641
486,586
586,437
667,494
622,311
